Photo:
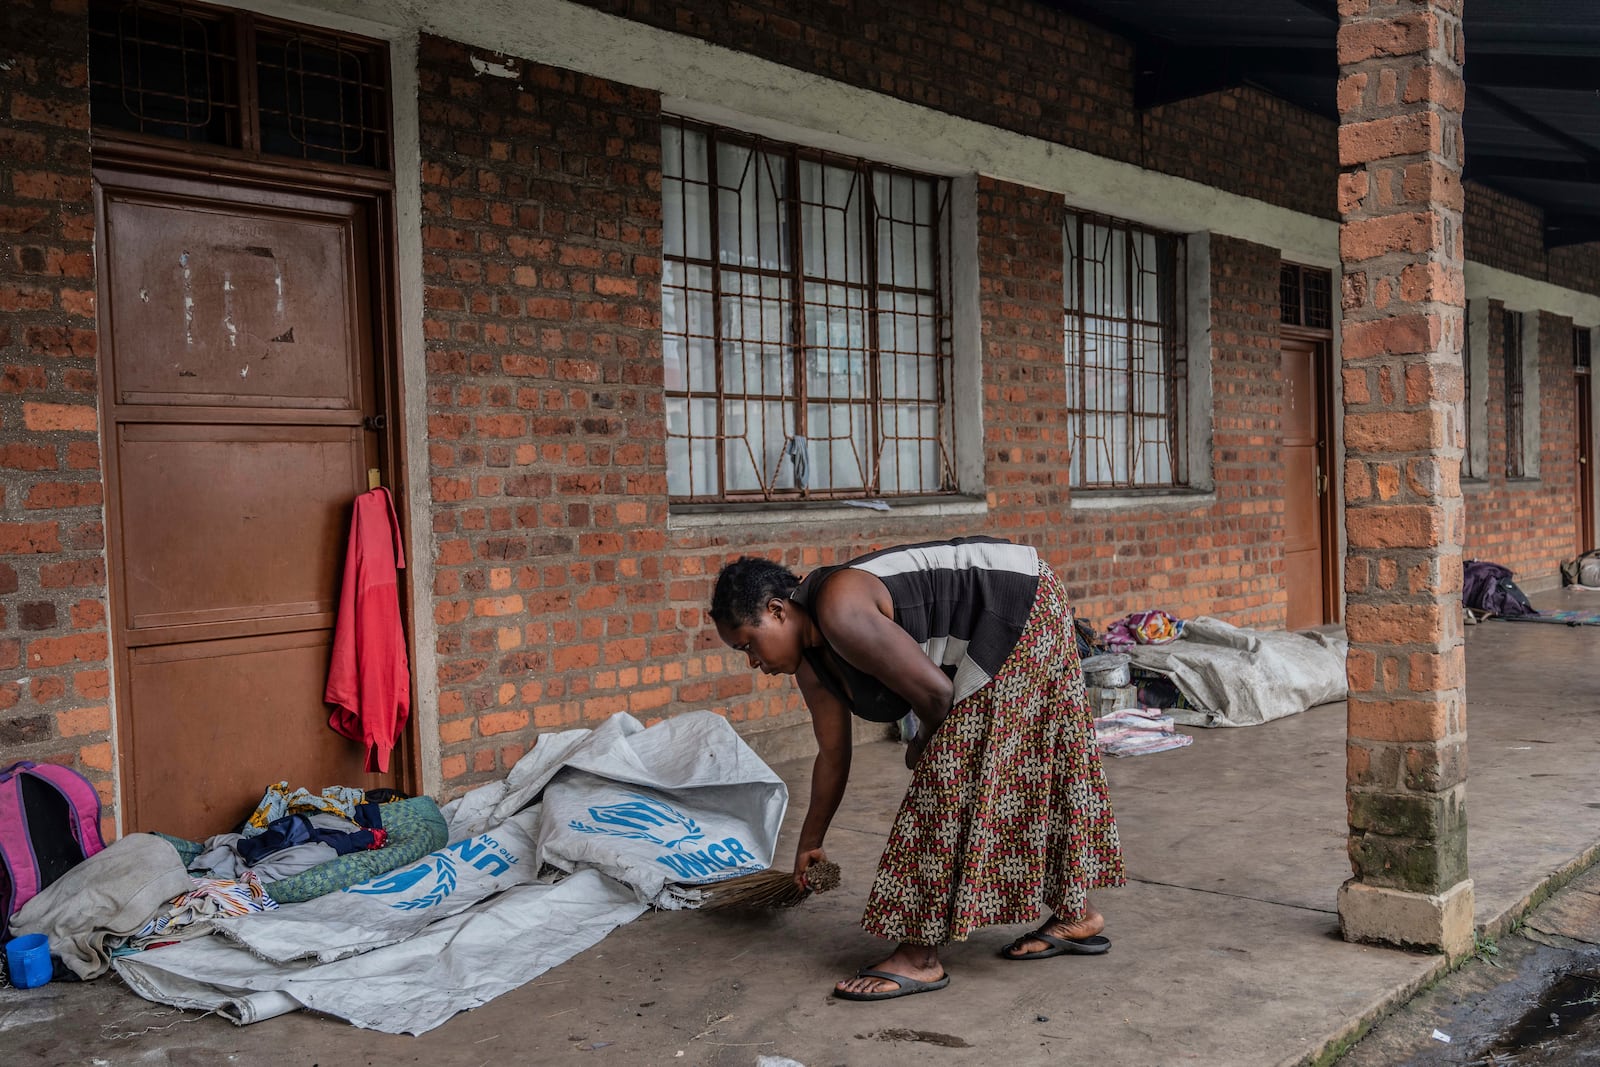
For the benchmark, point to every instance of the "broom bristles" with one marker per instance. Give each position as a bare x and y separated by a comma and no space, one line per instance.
769,889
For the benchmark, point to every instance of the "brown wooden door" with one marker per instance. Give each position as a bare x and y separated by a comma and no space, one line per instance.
239,333
1307,549
1585,489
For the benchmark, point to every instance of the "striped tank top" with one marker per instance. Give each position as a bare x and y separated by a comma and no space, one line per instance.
964,602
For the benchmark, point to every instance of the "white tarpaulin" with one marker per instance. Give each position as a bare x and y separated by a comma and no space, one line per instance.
1237,677
411,987
685,802
637,814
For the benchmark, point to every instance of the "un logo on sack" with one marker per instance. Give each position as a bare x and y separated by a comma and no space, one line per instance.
641,818
442,867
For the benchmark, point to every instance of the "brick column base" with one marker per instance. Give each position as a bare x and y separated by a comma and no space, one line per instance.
1433,922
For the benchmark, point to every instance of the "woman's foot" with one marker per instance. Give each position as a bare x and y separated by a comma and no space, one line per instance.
1088,925
920,963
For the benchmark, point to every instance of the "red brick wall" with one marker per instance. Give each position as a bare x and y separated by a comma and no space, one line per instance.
1249,143
1500,231
1023,66
1013,64
541,237
1527,524
53,643
561,596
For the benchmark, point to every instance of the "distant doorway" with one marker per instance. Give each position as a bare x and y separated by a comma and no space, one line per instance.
1583,497
1307,515
1310,540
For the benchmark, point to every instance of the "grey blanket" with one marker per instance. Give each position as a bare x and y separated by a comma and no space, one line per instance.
1237,677
107,897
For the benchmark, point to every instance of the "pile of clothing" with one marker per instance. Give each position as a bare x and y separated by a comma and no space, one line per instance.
1142,628
1137,732
149,890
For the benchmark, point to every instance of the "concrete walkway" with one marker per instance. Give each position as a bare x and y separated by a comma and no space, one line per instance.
1226,947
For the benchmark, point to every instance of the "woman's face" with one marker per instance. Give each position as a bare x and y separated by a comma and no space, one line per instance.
772,642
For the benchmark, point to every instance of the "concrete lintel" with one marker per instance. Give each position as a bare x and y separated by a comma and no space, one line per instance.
1434,922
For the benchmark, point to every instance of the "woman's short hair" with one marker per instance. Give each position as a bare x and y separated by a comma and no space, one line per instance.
744,587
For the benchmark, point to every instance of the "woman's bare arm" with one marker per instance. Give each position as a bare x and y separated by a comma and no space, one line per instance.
830,721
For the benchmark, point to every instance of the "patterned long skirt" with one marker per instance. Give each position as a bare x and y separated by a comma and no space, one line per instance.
1008,814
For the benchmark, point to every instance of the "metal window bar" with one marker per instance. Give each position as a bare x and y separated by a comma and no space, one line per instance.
166,70
1582,341
1289,295
783,310
1511,329
1318,298
206,75
1305,297
1127,370
322,98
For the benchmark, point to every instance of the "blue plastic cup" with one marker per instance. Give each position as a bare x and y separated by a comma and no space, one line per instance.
28,960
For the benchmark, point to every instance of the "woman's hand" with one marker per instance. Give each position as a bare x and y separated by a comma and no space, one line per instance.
803,859
919,740
914,748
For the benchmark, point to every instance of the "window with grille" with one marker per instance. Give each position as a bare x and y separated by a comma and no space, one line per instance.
1305,297
1127,367
1582,340
805,322
232,80
1511,328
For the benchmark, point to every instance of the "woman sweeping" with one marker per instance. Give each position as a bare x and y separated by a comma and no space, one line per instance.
1007,813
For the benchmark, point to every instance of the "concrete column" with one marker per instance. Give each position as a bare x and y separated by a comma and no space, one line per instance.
1400,97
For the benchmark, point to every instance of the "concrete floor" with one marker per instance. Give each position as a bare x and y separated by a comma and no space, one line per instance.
1226,948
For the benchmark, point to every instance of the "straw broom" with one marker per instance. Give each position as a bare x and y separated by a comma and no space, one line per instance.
770,889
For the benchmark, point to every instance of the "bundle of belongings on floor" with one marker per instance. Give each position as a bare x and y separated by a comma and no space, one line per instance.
1206,672
1583,572
587,831
151,890
1487,589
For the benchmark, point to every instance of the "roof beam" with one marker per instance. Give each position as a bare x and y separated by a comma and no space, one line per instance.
1563,230
1534,124
1328,9
1479,168
1518,71
1166,75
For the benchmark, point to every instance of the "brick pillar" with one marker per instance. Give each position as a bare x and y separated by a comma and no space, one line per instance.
1400,96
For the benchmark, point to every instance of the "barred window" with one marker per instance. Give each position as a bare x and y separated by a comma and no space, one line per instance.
171,70
1581,342
1127,368
1511,330
1305,297
805,322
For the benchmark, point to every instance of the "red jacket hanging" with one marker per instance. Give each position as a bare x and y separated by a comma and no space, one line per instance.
369,681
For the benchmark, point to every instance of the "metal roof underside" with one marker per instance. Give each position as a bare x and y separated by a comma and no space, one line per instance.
1532,119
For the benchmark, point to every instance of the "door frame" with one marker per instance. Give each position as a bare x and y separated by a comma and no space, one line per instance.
1583,378
378,194
1327,510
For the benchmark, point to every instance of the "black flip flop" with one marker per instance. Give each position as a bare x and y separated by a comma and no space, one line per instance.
1094,945
905,987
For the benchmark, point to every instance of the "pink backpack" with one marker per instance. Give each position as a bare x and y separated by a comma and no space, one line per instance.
49,823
